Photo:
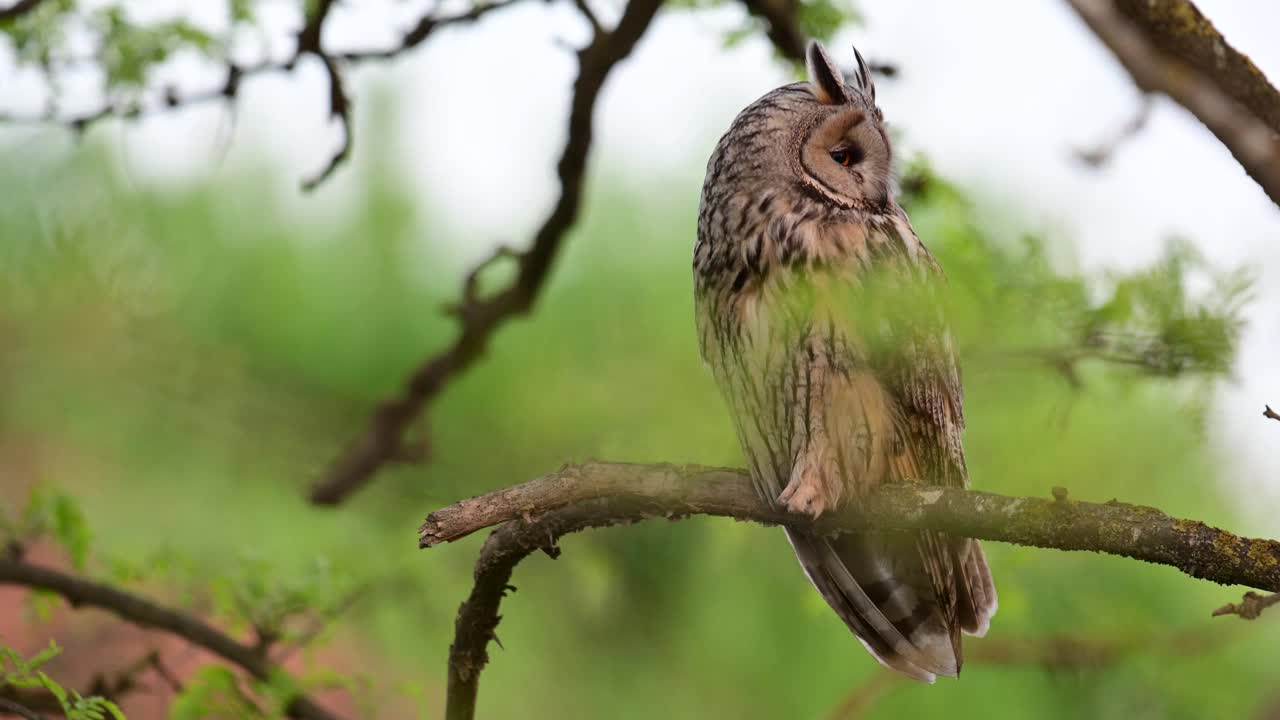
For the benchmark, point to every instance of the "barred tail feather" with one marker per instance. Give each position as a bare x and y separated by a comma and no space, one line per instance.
977,591
877,584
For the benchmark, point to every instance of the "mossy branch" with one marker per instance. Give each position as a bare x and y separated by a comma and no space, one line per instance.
1226,92
534,515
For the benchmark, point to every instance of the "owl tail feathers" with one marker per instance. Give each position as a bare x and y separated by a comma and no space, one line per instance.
878,585
977,592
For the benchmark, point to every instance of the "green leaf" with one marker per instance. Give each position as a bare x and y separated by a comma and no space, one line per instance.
44,656
42,603
57,690
822,18
70,529
113,709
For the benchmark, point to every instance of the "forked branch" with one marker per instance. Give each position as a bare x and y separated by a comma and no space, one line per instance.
481,317
534,515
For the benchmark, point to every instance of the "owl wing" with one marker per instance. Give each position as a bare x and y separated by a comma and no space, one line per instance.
807,404
808,397
923,376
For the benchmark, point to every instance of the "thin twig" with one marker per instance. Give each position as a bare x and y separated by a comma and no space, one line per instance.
22,711
1250,607
1100,154
340,108
1065,652
145,613
309,42
590,16
481,317
1254,144
537,513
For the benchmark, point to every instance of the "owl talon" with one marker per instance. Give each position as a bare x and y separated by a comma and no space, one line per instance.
803,498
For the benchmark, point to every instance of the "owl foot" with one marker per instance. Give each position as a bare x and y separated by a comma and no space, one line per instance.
803,496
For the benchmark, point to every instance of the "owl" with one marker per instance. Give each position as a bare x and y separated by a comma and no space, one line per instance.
819,312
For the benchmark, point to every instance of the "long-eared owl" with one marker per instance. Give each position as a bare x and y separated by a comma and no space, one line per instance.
818,311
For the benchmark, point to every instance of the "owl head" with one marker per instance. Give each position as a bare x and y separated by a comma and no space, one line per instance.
798,173
844,152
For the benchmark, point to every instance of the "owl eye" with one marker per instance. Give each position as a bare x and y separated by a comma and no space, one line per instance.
848,157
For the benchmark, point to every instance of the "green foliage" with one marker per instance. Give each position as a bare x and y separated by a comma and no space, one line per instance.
38,34
129,50
125,50
19,672
277,603
1009,300
51,512
820,19
214,693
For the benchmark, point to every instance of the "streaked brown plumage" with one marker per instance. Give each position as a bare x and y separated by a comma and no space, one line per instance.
816,313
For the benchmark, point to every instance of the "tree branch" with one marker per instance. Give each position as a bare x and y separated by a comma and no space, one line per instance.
481,317
538,512
1180,31
1267,412
782,18
22,7
1184,77
783,28
146,613
1101,153
309,41
340,108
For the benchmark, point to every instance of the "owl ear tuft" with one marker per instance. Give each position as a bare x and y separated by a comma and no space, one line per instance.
824,77
863,77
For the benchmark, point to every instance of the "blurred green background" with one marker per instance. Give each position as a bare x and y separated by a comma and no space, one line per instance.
185,362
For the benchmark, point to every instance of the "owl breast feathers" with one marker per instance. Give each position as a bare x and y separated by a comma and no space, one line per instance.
817,311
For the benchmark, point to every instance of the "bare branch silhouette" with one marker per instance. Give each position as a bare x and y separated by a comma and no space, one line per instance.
481,317
308,43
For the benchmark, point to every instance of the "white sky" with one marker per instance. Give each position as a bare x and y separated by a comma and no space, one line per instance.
996,93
